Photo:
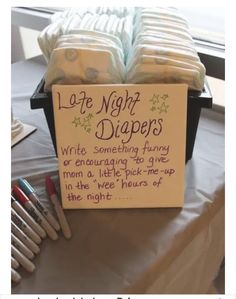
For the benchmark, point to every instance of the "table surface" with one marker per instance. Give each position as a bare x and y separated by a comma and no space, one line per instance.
174,250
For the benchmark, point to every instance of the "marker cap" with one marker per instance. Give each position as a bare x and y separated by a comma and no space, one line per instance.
50,185
20,195
25,187
15,276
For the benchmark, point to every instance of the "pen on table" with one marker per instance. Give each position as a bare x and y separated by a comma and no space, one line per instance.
15,276
38,217
23,261
59,211
21,247
24,238
25,227
30,192
27,217
14,263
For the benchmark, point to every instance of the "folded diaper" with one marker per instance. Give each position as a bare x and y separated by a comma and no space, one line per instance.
152,16
168,51
173,32
87,38
81,66
98,35
117,56
162,12
145,24
164,42
151,73
101,23
107,64
164,60
48,37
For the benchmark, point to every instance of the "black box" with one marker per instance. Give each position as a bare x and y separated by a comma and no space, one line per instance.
196,101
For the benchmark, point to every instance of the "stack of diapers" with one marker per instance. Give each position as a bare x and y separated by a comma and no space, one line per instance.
87,46
163,50
113,45
86,57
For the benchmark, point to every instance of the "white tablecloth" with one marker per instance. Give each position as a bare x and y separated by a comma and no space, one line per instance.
126,250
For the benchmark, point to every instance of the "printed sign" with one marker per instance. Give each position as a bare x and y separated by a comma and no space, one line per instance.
121,146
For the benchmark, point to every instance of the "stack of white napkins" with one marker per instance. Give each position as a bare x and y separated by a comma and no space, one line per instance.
163,50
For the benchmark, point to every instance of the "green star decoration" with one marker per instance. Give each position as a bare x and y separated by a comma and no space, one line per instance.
153,108
159,103
165,96
83,122
154,99
90,116
163,108
76,121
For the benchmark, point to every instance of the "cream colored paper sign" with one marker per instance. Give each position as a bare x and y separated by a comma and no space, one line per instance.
121,146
